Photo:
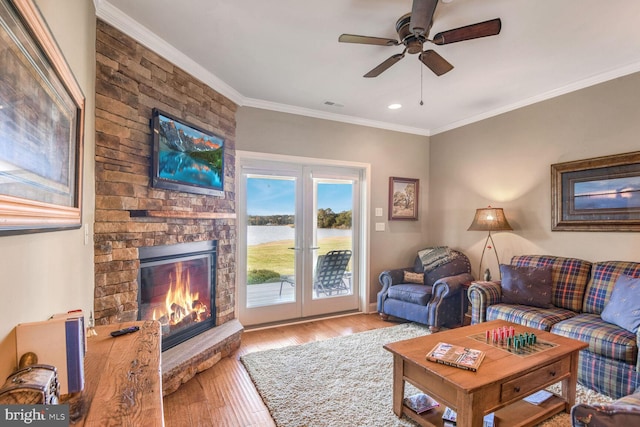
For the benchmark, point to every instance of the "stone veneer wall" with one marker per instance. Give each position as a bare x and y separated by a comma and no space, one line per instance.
130,81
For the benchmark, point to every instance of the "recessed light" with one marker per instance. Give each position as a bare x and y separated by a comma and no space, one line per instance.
394,106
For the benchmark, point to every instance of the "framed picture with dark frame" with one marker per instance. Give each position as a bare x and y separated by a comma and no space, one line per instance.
41,127
599,194
185,157
403,198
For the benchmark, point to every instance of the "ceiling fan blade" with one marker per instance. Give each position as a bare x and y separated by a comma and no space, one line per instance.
473,31
380,41
385,65
435,62
421,16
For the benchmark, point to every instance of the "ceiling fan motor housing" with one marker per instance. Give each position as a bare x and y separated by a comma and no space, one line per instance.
412,41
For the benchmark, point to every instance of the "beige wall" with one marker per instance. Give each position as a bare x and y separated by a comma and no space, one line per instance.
505,162
389,154
46,273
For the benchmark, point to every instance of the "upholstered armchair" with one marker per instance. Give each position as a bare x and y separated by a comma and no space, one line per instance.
430,292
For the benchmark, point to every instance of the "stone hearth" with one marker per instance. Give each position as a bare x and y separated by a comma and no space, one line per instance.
184,361
131,80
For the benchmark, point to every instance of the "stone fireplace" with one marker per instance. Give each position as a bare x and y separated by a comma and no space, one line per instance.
131,216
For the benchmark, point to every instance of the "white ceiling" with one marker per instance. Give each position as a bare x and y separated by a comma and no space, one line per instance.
284,55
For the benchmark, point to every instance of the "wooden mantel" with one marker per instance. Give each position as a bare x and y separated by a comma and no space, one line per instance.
182,214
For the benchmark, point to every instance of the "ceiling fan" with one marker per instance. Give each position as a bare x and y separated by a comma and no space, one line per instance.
413,31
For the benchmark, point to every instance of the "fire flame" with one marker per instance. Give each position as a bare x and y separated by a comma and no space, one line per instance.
181,304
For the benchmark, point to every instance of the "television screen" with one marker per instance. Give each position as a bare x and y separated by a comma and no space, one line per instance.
186,158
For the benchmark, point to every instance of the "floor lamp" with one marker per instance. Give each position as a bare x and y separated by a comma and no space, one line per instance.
489,219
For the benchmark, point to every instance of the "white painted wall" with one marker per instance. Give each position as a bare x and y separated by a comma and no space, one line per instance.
47,273
389,154
505,162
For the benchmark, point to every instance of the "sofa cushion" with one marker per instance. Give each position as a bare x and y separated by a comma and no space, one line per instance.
623,308
526,285
533,317
411,293
603,279
604,338
411,277
569,276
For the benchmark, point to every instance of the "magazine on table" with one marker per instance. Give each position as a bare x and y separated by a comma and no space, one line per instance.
455,355
450,417
420,403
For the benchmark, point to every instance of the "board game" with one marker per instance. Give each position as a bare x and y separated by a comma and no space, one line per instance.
509,340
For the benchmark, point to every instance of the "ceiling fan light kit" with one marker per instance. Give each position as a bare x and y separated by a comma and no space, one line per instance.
413,31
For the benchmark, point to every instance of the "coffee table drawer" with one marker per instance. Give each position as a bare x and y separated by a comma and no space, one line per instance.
532,381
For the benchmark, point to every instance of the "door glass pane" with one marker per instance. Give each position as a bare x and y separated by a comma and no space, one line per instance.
270,240
333,234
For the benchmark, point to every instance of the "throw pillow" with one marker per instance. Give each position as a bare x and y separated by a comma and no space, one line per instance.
410,277
526,285
623,308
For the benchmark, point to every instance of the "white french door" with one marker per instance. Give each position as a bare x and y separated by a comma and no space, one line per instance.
290,217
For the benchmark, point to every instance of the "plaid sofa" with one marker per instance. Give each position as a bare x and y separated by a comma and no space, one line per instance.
580,291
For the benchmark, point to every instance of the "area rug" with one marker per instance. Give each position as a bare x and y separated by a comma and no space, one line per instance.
344,381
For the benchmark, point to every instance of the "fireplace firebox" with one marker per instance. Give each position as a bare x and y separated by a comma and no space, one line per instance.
176,286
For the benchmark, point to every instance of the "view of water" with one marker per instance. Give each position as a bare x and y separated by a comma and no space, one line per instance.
257,234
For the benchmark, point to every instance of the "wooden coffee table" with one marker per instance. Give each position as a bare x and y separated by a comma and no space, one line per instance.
499,385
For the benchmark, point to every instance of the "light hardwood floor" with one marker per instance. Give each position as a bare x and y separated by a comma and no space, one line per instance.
224,394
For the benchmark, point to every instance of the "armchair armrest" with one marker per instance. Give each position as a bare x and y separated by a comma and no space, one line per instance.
481,296
392,277
443,288
387,279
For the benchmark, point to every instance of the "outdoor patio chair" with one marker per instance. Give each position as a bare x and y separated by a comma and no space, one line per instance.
331,273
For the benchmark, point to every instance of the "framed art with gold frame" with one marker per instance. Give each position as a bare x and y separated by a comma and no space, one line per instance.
41,127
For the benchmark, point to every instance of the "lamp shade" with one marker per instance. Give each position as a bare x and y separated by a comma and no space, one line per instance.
489,219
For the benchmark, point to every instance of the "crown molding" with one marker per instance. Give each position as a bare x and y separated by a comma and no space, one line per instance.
118,19
115,17
563,90
284,108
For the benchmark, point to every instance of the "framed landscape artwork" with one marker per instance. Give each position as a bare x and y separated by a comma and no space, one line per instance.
403,198
185,157
41,127
599,194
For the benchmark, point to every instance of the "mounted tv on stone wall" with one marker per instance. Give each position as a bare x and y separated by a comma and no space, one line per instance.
185,157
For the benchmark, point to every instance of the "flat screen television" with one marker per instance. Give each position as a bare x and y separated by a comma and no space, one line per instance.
185,157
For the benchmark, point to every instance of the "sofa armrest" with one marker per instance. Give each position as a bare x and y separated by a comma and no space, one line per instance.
481,296
638,359
442,289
